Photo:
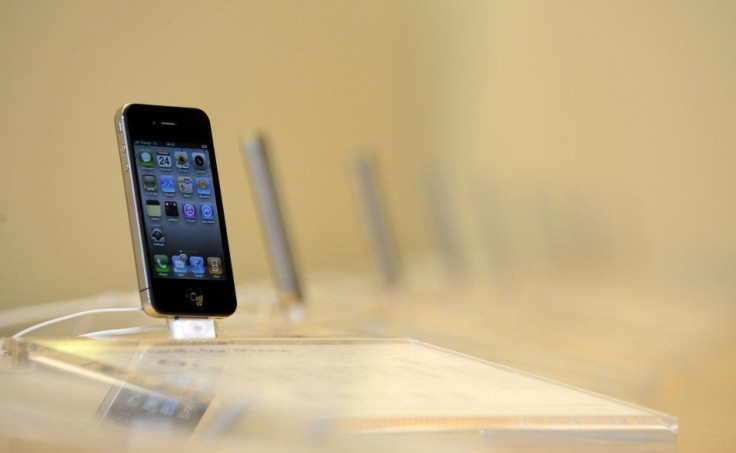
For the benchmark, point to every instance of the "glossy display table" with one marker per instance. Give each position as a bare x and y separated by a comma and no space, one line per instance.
653,351
288,392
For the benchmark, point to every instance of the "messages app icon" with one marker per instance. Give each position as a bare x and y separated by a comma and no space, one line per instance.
145,158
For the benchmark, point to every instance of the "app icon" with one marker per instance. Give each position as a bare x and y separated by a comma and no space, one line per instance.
163,159
134,400
186,412
151,405
208,213
190,212
197,264
169,408
203,186
149,183
199,160
167,184
153,208
171,208
162,263
158,236
181,158
179,263
214,265
185,184
145,158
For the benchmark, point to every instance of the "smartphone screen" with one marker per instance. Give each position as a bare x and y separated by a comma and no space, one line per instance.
176,211
180,210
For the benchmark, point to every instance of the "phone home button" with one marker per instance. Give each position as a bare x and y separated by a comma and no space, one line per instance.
195,297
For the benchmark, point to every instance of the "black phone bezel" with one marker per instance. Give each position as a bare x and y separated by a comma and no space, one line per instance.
170,297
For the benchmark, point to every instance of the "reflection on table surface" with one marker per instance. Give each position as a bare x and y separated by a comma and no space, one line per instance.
313,387
648,350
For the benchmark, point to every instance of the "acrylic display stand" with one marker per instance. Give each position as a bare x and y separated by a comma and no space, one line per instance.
291,392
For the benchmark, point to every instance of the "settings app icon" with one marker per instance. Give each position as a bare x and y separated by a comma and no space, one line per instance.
158,236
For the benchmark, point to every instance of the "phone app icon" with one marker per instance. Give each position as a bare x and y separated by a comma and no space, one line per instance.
197,264
153,208
182,159
163,159
149,183
214,265
179,263
190,212
185,184
207,211
145,158
171,208
199,160
203,186
158,236
167,184
162,263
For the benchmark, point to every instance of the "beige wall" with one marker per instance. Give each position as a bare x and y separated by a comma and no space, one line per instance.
592,137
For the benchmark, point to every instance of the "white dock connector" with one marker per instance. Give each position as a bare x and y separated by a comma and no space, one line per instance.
192,329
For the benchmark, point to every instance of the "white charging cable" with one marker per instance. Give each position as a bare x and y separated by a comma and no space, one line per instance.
125,331
77,315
